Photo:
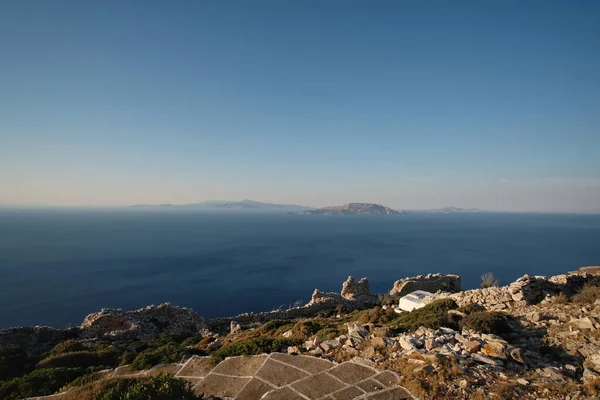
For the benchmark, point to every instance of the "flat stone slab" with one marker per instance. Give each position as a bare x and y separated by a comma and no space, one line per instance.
196,367
169,369
255,389
318,385
280,374
311,365
221,385
351,372
240,366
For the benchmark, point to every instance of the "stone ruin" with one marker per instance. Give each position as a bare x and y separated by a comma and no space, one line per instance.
429,283
524,291
352,290
353,295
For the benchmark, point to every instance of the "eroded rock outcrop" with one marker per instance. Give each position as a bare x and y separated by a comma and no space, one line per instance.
428,283
145,323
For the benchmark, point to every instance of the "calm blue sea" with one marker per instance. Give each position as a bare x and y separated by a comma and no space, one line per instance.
58,266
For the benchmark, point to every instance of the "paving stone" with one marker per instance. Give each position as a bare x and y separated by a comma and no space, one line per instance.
280,374
351,373
371,385
393,394
255,389
282,394
318,385
240,366
388,378
125,370
220,386
351,392
169,369
312,365
197,366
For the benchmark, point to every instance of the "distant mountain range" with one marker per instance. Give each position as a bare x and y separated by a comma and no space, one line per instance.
449,210
221,205
354,209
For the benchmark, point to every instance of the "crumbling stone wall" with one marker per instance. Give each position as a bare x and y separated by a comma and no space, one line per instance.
430,283
352,290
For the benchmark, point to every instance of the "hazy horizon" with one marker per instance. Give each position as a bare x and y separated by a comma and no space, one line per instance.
413,105
145,206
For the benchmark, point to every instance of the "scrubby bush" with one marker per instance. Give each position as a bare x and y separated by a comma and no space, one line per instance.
376,315
15,362
161,387
588,294
487,322
68,346
168,353
40,382
328,333
434,315
82,359
488,280
305,329
272,326
252,347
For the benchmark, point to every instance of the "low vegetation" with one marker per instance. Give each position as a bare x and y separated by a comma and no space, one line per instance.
160,387
487,322
434,315
587,295
40,382
488,280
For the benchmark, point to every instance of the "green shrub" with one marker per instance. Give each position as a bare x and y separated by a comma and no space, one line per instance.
15,362
487,322
434,315
272,326
161,387
68,346
168,353
305,329
40,382
82,359
328,333
252,347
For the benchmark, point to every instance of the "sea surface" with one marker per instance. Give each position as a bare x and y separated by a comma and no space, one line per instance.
56,266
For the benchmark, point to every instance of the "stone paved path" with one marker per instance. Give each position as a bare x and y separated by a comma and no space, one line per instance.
278,376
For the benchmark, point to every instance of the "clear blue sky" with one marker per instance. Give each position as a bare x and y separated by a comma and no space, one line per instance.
413,104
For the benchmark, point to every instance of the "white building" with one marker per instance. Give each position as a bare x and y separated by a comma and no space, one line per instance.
412,300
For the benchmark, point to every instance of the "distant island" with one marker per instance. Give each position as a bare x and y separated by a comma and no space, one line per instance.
353,209
222,205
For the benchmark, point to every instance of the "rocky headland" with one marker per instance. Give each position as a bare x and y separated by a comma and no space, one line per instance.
538,337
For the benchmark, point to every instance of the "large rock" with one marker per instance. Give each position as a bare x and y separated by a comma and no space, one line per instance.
428,283
145,323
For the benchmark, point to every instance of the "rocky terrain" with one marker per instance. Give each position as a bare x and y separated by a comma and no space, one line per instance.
538,337
354,209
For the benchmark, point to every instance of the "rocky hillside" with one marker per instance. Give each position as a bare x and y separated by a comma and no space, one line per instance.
537,337
354,209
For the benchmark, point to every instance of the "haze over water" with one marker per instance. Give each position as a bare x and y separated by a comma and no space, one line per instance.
57,266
